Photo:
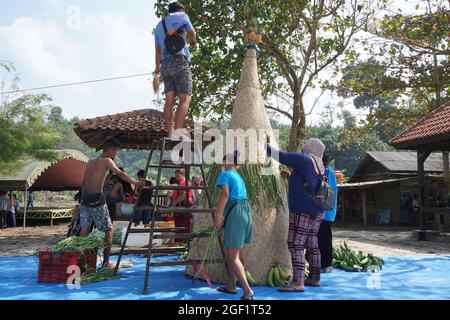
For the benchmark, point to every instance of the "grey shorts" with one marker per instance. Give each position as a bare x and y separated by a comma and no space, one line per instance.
177,75
98,215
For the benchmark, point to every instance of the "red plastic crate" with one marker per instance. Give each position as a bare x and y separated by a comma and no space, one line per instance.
53,266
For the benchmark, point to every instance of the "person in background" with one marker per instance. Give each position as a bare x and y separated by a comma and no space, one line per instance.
113,191
325,234
196,193
175,68
145,200
4,207
17,203
127,188
305,217
234,215
11,216
173,183
415,209
179,199
434,199
30,200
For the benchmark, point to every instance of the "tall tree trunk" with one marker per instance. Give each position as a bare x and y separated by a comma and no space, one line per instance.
298,128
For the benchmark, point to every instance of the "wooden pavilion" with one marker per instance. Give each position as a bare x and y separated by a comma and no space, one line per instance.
432,133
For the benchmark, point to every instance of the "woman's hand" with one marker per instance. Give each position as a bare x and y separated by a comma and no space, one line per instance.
218,223
286,174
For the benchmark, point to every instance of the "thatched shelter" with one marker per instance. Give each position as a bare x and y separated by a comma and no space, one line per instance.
64,172
270,216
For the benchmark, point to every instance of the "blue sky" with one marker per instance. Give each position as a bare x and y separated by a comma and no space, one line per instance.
58,41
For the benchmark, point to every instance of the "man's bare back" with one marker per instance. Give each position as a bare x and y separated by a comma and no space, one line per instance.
96,171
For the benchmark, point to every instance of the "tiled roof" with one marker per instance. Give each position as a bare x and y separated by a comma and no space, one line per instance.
137,120
135,129
434,127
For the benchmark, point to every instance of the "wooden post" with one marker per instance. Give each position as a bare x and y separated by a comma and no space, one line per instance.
422,155
446,166
364,209
343,204
25,206
399,212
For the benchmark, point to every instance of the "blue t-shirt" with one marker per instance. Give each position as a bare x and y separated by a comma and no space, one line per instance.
173,21
331,179
235,183
300,201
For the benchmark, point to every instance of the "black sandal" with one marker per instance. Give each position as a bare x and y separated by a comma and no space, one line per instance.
225,290
247,298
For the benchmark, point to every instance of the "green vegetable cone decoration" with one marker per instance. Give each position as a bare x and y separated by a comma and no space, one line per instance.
266,193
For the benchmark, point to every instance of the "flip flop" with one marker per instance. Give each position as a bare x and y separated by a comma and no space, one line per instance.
225,290
311,284
290,288
247,298
107,266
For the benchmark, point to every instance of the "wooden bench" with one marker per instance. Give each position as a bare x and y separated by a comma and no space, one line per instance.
46,214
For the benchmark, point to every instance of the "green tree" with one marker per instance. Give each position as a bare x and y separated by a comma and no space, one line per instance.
23,126
347,145
352,146
68,139
407,73
301,40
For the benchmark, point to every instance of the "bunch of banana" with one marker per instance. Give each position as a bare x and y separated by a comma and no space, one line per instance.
348,260
277,277
251,280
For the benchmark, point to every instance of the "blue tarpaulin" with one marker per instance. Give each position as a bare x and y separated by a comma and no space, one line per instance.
402,278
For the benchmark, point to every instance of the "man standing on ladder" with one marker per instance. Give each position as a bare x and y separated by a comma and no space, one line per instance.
173,61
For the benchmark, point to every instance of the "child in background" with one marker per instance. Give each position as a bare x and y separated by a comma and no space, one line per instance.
173,183
234,215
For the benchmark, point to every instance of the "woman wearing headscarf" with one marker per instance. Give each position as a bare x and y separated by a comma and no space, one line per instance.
305,217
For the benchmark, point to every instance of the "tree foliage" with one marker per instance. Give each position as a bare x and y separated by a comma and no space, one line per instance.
23,126
301,39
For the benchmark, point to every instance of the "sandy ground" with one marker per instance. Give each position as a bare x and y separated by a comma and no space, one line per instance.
381,242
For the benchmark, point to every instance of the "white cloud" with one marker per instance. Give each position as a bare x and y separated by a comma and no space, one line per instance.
41,48
108,44
54,5
127,47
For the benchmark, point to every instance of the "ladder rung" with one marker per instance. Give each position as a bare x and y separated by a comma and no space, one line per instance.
177,188
181,235
173,166
185,210
183,262
157,230
155,250
176,210
173,140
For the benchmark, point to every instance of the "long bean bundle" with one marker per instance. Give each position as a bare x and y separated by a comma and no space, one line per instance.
79,244
210,250
101,275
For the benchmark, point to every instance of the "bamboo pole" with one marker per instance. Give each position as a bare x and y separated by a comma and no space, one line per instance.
25,207
364,207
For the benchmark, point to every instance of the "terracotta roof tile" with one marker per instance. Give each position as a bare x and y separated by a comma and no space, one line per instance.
435,126
135,129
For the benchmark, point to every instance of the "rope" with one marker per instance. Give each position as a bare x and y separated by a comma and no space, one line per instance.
77,83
